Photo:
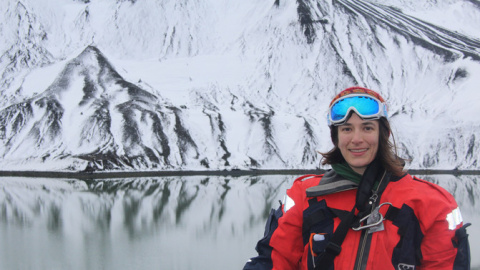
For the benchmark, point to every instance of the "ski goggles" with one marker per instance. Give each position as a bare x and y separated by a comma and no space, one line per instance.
366,106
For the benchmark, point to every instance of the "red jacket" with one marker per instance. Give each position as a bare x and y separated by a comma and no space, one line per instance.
424,233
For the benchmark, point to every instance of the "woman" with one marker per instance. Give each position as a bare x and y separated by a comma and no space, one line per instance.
365,213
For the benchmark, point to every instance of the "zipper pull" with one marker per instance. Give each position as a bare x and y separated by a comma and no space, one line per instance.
373,199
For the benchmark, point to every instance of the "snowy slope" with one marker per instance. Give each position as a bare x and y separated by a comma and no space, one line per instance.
108,85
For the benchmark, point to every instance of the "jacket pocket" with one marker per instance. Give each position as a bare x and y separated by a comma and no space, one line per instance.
317,230
407,253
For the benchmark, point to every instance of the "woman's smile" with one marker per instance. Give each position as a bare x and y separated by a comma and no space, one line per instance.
358,142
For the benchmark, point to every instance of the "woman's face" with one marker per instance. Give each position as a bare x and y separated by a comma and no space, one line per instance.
358,142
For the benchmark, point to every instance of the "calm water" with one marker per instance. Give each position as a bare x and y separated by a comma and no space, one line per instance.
192,222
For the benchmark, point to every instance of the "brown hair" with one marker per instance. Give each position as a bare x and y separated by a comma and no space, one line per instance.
386,154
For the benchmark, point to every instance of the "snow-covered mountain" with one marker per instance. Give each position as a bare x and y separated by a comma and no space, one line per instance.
218,84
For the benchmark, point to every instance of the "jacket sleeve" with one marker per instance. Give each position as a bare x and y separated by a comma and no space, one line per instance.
445,244
282,244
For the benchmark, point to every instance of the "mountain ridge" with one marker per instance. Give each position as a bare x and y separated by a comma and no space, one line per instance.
218,94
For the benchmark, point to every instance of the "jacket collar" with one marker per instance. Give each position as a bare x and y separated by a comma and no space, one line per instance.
330,183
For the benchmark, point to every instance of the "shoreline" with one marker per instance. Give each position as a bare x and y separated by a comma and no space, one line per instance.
233,173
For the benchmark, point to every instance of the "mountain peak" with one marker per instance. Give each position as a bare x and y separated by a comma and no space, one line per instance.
91,49
92,57
90,69
247,82
93,116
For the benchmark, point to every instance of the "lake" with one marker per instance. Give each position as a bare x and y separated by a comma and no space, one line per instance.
177,222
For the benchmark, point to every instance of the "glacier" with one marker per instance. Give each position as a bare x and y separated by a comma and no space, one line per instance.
225,85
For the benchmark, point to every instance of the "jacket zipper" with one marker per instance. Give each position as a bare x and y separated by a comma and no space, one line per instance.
363,241
365,235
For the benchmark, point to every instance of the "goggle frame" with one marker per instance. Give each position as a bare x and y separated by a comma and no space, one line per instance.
382,110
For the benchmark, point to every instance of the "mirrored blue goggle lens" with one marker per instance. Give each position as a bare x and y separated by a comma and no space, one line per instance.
364,105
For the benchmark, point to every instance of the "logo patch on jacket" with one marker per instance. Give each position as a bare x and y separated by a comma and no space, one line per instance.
454,219
287,203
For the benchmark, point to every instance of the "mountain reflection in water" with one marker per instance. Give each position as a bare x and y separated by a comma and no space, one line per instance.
188,222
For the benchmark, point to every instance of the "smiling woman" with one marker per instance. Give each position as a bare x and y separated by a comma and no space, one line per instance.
366,212
358,142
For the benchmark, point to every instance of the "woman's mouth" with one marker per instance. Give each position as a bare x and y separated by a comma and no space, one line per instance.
358,152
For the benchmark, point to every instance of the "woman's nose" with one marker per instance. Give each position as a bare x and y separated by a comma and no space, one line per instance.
357,136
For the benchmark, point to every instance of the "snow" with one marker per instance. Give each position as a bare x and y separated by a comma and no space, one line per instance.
175,78
237,78
459,16
235,84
